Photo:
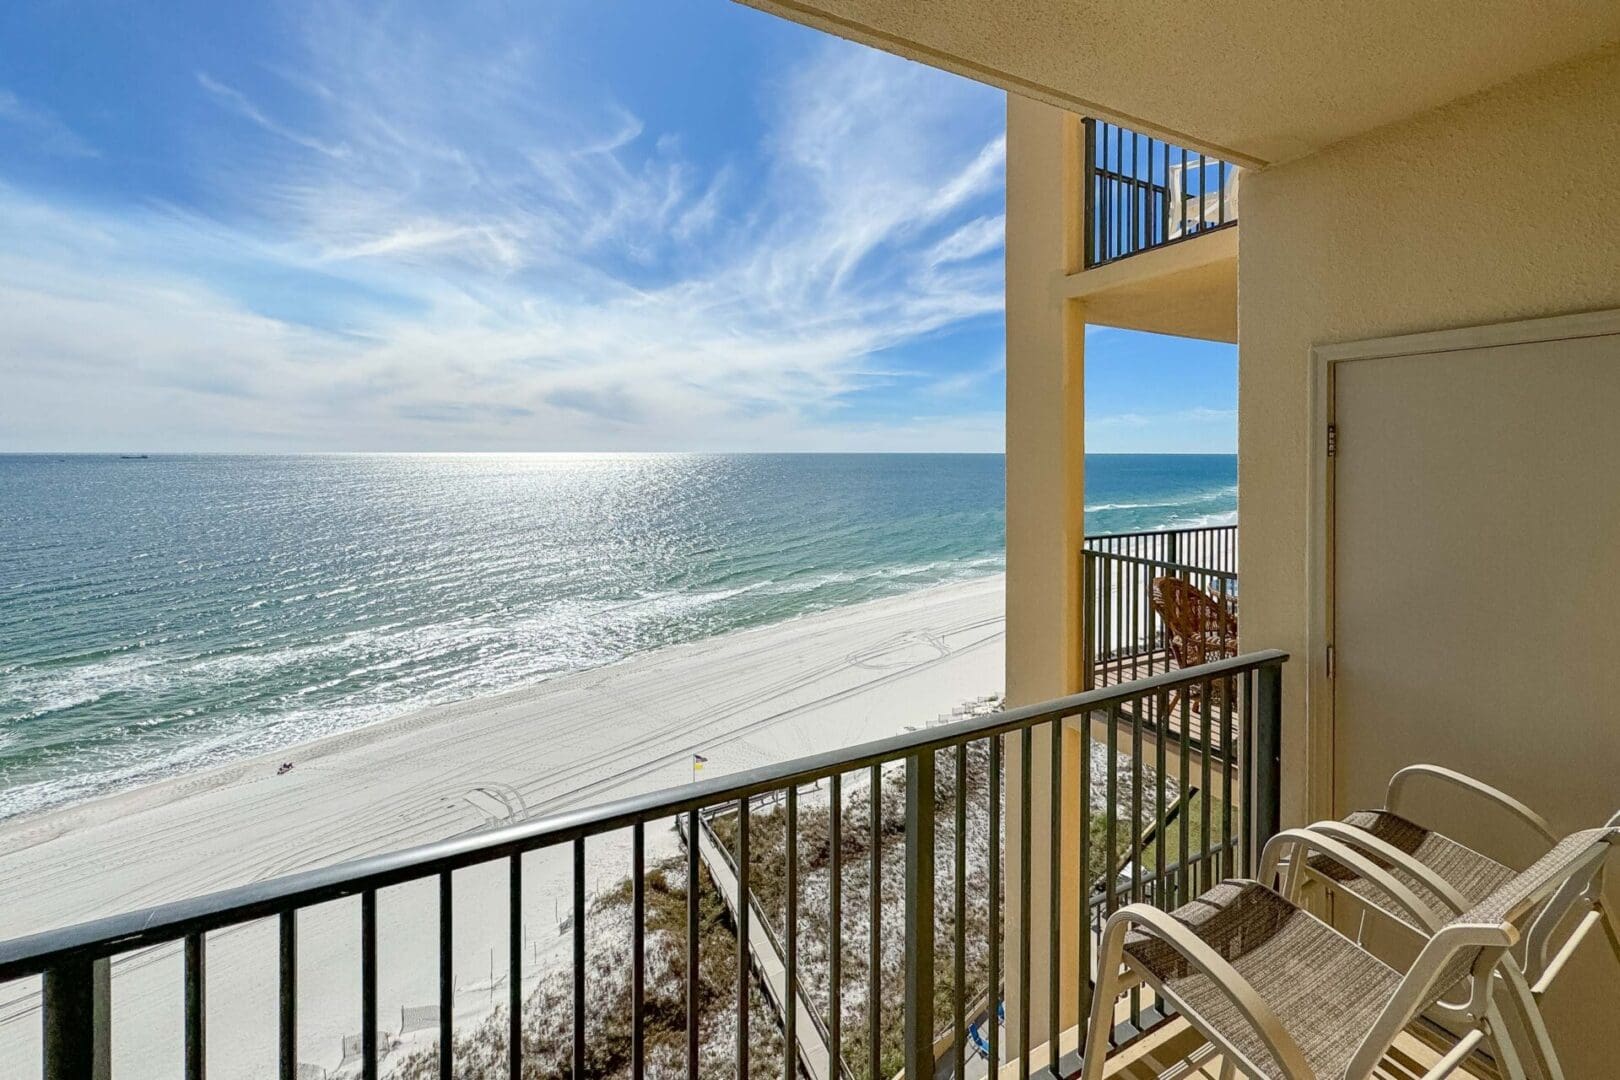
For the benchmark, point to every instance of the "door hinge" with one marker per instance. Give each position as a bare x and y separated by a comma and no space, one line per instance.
1330,661
1333,440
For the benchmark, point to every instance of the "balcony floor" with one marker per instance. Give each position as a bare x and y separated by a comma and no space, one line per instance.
1176,1052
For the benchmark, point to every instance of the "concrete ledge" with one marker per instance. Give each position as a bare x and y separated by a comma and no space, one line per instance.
1188,288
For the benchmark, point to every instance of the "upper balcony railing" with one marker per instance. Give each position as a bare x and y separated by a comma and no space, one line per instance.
1142,193
899,964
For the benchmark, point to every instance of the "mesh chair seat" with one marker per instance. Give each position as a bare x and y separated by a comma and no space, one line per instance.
1325,991
1473,875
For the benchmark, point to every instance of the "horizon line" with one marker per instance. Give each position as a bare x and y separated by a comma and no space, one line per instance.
135,454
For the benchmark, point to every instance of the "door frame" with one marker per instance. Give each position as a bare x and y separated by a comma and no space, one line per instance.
1319,570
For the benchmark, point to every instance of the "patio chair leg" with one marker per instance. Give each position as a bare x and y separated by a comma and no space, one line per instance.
1500,1038
1527,1039
1611,929
1111,953
1228,1070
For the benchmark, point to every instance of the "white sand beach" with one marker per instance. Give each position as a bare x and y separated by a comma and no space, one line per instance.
743,699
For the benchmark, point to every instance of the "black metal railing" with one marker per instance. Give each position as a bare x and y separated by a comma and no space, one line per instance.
1142,193
1173,843
1209,547
788,1000
1124,636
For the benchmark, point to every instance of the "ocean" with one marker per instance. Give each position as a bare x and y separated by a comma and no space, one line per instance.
167,613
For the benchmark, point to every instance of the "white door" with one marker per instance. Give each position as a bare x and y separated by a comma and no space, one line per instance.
1475,597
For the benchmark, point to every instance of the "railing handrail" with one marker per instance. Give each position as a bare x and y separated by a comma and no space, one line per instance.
35,953
1159,532
1127,213
1162,564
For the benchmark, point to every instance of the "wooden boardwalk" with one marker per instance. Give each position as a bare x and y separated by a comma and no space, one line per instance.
768,961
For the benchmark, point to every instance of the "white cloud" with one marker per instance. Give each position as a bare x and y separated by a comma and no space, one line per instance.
1196,429
973,381
239,102
44,129
978,237
525,279
1194,415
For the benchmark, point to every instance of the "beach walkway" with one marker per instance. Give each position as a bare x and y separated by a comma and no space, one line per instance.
769,963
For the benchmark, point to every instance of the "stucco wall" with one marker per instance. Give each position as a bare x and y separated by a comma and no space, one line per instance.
1502,206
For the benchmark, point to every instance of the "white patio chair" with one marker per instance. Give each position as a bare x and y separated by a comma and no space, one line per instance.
1281,994
1201,210
1448,876
1422,904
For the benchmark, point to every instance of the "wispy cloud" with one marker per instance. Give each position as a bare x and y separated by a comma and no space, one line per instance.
1195,415
242,106
42,127
1190,430
971,381
512,275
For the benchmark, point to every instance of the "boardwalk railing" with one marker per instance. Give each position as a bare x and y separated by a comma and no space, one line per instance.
1142,771
1143,193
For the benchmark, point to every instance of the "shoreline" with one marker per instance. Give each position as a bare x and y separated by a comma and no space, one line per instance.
16,831
770,693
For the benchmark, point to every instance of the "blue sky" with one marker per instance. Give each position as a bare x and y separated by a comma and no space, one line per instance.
492,226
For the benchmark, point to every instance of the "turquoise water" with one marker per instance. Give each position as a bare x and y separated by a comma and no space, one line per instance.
162,614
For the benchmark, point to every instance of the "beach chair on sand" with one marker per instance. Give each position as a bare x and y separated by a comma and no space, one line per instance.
1278,993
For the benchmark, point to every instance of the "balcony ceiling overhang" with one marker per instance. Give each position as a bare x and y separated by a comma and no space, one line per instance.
1254,81
1187,289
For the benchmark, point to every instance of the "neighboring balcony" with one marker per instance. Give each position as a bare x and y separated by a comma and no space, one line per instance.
1155,601
1155,225
1143,193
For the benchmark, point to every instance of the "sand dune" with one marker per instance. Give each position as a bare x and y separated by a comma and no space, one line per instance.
747,698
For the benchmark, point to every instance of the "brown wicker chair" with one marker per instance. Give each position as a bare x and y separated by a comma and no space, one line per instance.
1198,628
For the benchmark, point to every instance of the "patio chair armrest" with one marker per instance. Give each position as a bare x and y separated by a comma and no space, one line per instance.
1373,845
1239,991
1421,917
1501,799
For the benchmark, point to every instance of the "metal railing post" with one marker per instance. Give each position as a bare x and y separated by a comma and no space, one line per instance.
1267,754
1088,621
77,1017
1088,195
919,963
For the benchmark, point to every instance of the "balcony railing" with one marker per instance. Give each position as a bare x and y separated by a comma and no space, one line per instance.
1143,193
1124,637
1170,814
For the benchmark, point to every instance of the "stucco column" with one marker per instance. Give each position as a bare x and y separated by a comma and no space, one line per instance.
1045,499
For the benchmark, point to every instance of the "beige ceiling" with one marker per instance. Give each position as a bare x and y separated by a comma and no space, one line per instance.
1261,81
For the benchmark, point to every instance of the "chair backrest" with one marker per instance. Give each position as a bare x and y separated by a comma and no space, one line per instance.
1199,626
1471,945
